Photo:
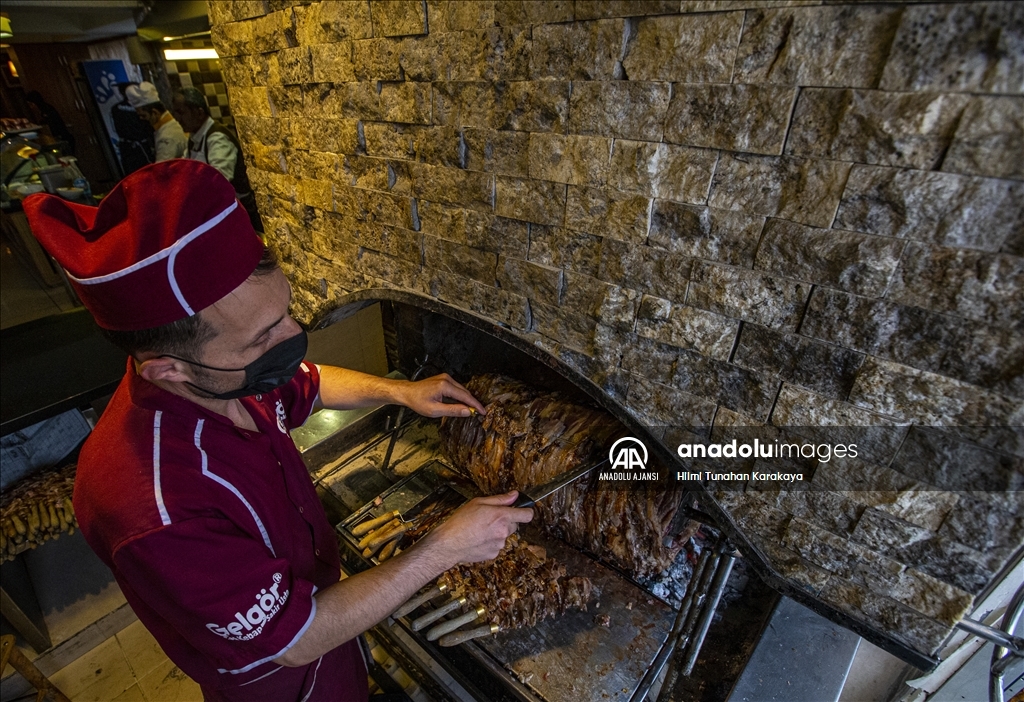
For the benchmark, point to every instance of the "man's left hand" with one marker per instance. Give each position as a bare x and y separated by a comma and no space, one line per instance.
440,396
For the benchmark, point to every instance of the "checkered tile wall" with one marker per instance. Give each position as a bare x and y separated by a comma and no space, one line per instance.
204,75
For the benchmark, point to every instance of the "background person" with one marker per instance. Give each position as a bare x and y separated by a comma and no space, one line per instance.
213,143
134,136
168,136
43,113
190,487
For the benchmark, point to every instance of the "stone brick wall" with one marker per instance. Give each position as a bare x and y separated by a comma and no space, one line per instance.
732,212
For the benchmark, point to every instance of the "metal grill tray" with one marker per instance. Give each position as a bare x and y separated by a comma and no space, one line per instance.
569,658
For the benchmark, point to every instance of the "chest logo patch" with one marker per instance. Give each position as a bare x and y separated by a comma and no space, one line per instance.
281,416
250,624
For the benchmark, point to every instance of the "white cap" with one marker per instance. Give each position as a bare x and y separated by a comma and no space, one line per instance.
142,94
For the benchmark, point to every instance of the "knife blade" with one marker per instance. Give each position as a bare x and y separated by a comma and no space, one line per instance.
528,498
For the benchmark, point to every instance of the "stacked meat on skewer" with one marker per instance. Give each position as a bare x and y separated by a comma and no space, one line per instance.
518,589
527,438
530,436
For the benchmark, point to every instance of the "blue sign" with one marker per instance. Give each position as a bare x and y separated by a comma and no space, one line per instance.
103,77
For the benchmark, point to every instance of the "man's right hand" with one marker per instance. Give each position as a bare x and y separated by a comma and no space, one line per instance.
477,531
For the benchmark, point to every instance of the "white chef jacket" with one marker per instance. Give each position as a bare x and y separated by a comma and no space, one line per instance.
170,138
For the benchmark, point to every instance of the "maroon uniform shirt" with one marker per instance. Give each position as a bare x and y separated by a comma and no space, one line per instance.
217,538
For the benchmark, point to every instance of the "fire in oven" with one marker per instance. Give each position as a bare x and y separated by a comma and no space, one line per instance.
611,592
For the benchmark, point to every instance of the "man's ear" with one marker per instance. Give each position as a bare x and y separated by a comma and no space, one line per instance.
163,368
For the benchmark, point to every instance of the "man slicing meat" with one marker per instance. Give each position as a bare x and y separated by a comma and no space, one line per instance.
190,488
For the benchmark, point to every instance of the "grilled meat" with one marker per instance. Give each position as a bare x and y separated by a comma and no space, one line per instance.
530,436
520,587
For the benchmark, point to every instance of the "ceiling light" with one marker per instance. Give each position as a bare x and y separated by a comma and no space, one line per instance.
190,54
5,28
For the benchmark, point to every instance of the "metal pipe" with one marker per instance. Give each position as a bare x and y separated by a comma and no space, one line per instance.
693,589
1015,644
700,601
1001,657
721,577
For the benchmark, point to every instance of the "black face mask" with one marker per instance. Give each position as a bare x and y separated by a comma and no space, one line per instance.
268,372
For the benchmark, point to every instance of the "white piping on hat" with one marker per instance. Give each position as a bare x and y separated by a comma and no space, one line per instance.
171,251
174,283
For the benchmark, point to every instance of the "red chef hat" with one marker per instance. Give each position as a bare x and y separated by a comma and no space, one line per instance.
169,240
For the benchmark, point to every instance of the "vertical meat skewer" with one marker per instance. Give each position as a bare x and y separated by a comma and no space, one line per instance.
528,437
517,589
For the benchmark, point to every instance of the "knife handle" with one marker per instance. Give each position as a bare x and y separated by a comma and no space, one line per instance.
523,500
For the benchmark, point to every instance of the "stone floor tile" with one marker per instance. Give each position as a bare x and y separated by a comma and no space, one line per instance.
140,649
132,694
167,683
100,675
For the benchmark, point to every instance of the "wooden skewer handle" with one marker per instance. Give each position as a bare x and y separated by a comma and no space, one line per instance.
365,541
393,533
367,526
453,624
431,617
419,600
457,637
387,551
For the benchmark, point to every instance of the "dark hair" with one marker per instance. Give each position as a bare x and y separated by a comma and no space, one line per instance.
185,337
194,98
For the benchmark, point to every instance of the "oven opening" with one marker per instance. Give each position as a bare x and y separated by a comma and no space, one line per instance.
611,593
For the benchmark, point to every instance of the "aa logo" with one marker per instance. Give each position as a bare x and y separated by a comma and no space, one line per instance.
628,453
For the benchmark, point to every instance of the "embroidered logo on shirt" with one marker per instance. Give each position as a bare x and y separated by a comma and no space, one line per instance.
250,625
280,417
